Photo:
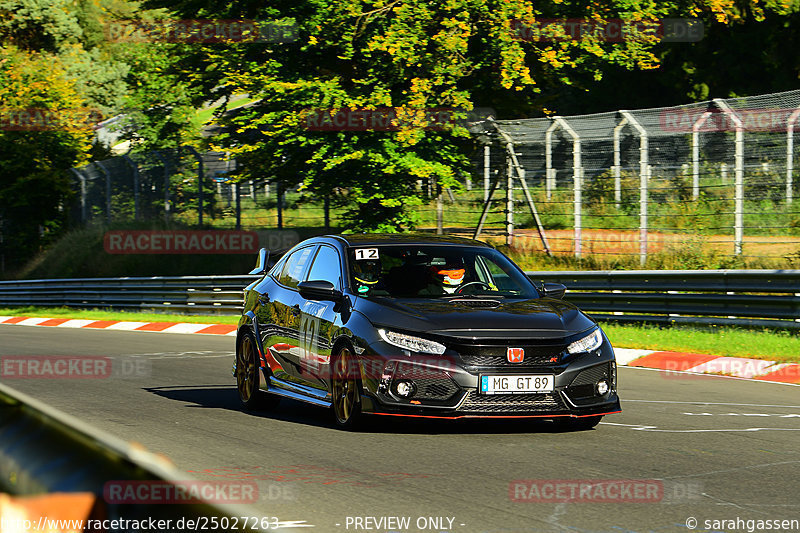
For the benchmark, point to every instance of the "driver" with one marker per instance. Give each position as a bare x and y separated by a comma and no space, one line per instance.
367,274
448,278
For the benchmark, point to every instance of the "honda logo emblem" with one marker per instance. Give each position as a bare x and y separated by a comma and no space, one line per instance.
515,355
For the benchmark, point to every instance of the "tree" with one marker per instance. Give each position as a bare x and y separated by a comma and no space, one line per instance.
413,57
46,129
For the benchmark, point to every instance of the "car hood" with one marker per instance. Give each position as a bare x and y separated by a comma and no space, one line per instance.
502,318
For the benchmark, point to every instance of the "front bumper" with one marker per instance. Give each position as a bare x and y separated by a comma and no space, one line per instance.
446,387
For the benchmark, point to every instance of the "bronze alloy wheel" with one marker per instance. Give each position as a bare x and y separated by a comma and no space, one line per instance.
248,376
345,387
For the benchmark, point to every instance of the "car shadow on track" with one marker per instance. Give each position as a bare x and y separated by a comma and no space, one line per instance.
226,397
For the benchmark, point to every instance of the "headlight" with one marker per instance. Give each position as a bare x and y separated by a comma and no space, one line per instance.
414,344
590,342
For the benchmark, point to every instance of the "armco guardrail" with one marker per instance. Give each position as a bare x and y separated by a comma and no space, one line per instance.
181,294
43,450
741,297
725,297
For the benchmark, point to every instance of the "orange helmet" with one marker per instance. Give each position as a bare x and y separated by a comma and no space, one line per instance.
449,275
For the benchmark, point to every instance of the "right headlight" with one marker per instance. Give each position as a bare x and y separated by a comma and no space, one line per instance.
411,343
590,342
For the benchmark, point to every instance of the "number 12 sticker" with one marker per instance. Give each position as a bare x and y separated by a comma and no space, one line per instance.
367,253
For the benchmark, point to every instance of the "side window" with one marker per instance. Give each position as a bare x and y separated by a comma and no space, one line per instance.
499,277
294,267
326,267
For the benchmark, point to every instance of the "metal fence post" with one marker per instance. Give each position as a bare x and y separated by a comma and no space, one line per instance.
108,190
738,173
696,154
644,174
82,180
439,213
509,202
326,207
577,180
166,184
200,175
549,172
280,205
135,170
617,161
238,200
487,171
790,154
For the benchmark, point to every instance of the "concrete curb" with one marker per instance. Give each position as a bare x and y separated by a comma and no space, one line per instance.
677,362
158,327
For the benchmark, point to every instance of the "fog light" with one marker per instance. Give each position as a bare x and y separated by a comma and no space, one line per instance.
404,388
602,387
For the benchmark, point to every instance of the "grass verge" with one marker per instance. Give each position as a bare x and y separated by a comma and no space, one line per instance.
781,346
773,345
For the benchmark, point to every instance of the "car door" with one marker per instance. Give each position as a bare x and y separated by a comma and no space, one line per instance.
279,314
319,318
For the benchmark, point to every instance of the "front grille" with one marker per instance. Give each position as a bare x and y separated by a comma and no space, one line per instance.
493,353
511,403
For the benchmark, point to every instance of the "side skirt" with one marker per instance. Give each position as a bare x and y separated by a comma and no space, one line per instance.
298,392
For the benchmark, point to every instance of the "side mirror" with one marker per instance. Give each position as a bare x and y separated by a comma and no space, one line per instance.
261,262
553,290
319,290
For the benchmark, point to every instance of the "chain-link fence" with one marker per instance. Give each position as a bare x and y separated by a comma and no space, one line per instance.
715,177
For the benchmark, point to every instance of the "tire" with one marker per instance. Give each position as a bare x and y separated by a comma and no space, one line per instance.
346,390
248,376
578,424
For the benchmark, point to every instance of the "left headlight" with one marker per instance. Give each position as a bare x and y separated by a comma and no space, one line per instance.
590,342
411,343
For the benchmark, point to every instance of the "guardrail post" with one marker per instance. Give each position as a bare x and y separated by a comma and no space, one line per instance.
108,190
790,154
738,172
696,154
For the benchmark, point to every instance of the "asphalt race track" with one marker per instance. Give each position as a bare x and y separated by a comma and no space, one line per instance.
685,447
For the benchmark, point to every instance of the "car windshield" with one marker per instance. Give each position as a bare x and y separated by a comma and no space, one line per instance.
435,271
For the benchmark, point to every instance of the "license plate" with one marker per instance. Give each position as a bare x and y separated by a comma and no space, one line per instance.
516,384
